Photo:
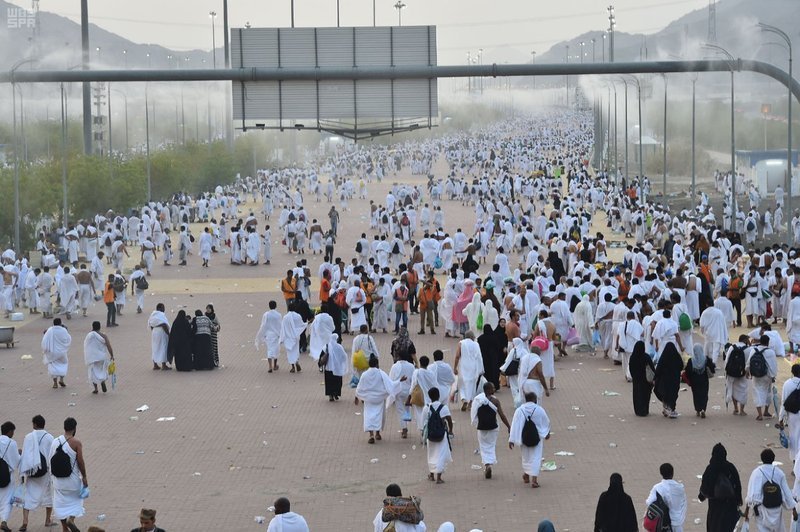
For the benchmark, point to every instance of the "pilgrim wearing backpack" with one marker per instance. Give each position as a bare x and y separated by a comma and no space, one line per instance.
9,460
768,494
437,432
736,381
762,367
790,410
530,426
36,470
666,504
70,483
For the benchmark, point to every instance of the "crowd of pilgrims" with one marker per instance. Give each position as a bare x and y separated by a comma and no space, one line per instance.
531,277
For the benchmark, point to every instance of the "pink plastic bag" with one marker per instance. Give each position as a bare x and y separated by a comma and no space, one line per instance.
572,337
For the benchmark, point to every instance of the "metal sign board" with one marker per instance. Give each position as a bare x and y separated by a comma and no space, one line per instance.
353,108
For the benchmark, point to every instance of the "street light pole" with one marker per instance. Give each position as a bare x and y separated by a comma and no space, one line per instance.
567,77
665,137
731,62
213,15
789,159
593,42
611,23
147,144
694,158
399,7
65,209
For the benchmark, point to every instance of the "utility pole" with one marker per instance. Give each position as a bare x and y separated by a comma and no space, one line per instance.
87,90
612,21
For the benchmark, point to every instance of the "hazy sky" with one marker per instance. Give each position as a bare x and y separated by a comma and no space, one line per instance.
503,28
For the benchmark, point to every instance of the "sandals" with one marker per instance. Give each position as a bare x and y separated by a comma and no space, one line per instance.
23,528
371,440
525,478
488,472
378,437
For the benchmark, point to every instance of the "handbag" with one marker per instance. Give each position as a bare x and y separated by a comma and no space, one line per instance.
649,374
513,367
323,359
417,398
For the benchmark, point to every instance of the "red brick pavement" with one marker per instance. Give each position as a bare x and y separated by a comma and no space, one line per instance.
242,437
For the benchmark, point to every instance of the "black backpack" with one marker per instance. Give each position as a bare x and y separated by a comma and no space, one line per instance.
119,284
758,364
487,418
358,247
772,496
43,469
735,366
792,402
656,518
436,430
141,283
5,470
524,242
60,463
396,249
530,433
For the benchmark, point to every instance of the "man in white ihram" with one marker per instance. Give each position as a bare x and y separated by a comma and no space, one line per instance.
292,326
55,346
376,390
531,455
270,334
38,483
469,368
159,341
286,520
674,495
10,454
69,476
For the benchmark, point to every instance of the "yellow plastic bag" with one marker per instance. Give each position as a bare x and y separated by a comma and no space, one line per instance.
360,362
112,368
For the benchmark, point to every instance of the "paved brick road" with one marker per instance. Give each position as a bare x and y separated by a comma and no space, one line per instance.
242,437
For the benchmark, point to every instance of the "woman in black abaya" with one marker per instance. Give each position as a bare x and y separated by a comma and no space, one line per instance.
697,369
668,379
642,387
615,511
179,348
492,354
724,494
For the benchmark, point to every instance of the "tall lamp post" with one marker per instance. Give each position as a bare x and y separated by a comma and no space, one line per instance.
17,246
593,42
533,62
567,76
780,33
399,6
732,65
612,22
213,15
665,139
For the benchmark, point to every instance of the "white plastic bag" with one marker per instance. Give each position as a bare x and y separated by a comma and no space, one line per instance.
745,526
796,526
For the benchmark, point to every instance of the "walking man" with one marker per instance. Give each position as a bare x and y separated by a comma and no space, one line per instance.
529,427
69,476
484,412
38,481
